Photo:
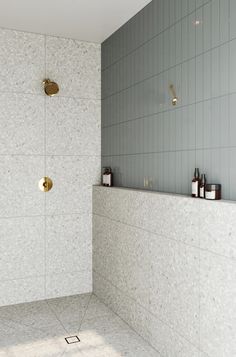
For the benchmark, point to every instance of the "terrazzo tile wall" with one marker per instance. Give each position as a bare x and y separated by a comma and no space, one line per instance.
192,45
167,265
46,238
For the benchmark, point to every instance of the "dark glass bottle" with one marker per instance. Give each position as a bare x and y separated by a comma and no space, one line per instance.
107,177
196,183
202,186
110,177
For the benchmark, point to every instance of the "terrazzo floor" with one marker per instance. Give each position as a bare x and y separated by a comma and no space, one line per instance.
39,329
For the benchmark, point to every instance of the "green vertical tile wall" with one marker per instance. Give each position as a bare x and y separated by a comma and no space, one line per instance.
192,45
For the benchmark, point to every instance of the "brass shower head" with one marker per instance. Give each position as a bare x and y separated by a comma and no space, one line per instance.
50,88
173,93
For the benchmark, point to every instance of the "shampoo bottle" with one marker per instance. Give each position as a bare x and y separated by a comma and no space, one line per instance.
202,186
196,183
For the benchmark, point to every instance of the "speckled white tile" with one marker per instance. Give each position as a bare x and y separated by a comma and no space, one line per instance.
121,339
35,330
75,65
70,309
125,250
73,126
21,61
23,252
30,341
106,324
20,195
168,342
20,337
154,212
128,309
68,243
203,354
21,124
35,314
66,284
73,178
174,277
217,305
21,290
174,291
96,308
217,228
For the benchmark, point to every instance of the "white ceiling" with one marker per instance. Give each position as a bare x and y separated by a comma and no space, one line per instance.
87,20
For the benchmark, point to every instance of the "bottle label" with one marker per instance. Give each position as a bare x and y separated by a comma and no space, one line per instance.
202,192
105,179
210,195
195,188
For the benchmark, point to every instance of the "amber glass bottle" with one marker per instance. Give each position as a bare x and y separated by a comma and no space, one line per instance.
202,186
196,183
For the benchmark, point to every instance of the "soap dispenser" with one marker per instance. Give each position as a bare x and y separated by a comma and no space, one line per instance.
196,183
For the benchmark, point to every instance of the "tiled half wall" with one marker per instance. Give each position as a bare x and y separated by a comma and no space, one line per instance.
46,238
167,265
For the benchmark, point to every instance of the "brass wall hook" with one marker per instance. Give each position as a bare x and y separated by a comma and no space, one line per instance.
173,92
50,88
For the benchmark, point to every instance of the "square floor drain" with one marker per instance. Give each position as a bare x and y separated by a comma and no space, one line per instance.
72,339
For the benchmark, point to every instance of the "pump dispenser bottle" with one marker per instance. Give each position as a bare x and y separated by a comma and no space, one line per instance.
196,183
202,186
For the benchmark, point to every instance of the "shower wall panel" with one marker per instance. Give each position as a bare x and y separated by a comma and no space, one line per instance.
46,238
167,265
188,44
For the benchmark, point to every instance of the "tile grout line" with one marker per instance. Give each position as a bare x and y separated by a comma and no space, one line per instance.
131,327
198,247
50,36
153,37
86,309
229,98
50,155
42,276
45,164
144,308
164,71
57,318
229,94
21,93
48,215
170,151
60,322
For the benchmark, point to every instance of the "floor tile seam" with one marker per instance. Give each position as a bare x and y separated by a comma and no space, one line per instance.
83,317
126,323
56,316
41,329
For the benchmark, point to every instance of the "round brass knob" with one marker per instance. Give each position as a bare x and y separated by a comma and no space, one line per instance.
50,88
45,184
